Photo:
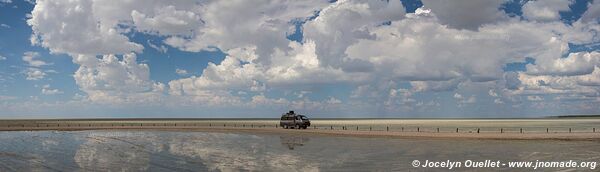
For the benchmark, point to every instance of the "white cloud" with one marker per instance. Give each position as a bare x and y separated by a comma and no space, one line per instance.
264,25
86,28
419,48
255,67
159,48
545,10
435,86
471,99
458,96
34,74
6,1
5,26
2,58
593,12
110,80
580,63
373,46
492,93
75,27
464,100
46,90
301,94
30,58
230,74
241,70
534,98
592,79
344,23
181,72
574,86
167,20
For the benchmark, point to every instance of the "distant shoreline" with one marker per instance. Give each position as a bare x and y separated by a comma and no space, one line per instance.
576,116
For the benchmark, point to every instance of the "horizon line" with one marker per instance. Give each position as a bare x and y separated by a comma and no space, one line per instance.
326,118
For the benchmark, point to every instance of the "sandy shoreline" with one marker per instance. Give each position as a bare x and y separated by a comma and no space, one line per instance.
351,133
504,129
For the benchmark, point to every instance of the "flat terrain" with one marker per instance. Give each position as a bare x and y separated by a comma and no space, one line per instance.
559,129
268,150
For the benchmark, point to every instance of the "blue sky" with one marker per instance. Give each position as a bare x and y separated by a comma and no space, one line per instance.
504,58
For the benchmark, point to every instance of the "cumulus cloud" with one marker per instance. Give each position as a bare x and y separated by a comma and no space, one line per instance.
464,100
386,56
230,74
167,21
241,70
581,87
275,62
76,27
344,23
580,63
34,74
30,59
592,79
2,58
593,12
545,10
181,72
87,28
46,90
111,80
420,48
265,25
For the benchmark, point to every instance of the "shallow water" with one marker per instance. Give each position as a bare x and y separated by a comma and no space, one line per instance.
213,151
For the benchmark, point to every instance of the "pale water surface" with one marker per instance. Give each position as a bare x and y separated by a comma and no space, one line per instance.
146,150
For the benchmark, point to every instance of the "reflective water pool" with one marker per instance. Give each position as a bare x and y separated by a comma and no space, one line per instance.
141,150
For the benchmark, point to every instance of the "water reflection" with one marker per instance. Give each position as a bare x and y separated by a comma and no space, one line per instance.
292,141
109,153
202,151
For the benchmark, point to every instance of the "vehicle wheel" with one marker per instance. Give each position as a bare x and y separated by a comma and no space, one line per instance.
305,127
297,126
